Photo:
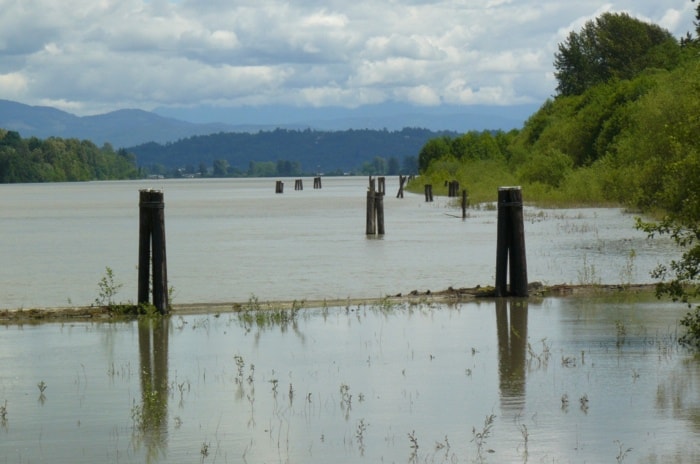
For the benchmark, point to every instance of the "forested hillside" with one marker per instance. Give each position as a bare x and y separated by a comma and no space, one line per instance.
289,152
60,160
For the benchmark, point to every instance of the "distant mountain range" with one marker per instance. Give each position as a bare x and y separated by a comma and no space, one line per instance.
130,127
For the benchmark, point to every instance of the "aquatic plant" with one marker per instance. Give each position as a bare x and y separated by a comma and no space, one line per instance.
621,332
588,275
414,446
622,453
108,288
41,386
3,413
479,437
360,435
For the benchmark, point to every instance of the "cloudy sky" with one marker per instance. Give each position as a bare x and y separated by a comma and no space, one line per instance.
94,56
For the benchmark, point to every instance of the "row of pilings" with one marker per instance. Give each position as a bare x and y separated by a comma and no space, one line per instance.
511,262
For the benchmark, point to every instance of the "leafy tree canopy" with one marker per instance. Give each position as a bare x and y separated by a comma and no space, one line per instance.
613,46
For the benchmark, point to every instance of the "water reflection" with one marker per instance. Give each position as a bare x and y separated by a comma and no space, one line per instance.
511,324
151,418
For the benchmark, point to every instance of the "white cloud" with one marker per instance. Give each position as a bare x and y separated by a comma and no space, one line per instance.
96,55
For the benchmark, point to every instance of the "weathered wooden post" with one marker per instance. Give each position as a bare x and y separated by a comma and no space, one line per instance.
299,184
317,182
381,185
402,181
279,187
464,204
152,249
510,243
375,210
428,192
371,209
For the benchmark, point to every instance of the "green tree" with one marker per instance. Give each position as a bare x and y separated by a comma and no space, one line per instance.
220,168
434,149
614,46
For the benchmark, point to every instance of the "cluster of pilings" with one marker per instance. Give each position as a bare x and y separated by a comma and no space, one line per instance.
298,184
510,247
317,182
279,187
375,206
452,188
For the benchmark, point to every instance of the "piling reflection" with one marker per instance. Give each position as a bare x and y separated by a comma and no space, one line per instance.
152,418
511,324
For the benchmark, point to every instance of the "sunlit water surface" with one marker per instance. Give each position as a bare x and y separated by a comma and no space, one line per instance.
231,239
563,380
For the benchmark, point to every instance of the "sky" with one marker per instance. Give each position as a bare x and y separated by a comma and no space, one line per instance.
94,56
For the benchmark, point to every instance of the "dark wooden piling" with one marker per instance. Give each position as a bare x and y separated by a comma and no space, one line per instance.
402,181
428,192
464,204
279,187
381,185
510,244
299,184
317,182
452,188
371,211
375,209
152,249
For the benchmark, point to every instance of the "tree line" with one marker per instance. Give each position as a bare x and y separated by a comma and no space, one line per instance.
283,152
61,160
623,129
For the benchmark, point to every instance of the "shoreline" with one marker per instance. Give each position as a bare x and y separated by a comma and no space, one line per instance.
448,296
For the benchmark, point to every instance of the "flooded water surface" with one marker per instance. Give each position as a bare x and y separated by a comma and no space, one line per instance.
230,239
559,380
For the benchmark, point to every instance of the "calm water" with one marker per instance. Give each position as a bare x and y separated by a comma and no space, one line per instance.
233,238
357,384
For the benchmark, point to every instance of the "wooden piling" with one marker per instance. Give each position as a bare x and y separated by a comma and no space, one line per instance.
279,187
152,249
317,182
464,204
299,184
371,211
375,209
428,192
510,244
381,185
402,181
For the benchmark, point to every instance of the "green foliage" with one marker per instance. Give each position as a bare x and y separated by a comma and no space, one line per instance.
614,46
108,289
60,160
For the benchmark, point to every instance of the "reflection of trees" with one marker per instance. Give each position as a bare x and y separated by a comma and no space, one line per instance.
153,357
512,351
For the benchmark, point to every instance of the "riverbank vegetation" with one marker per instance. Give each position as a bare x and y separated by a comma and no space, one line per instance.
623,129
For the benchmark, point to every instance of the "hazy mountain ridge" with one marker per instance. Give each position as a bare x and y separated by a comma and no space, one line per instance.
131,127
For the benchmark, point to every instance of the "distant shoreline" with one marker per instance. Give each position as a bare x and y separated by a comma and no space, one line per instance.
448,296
